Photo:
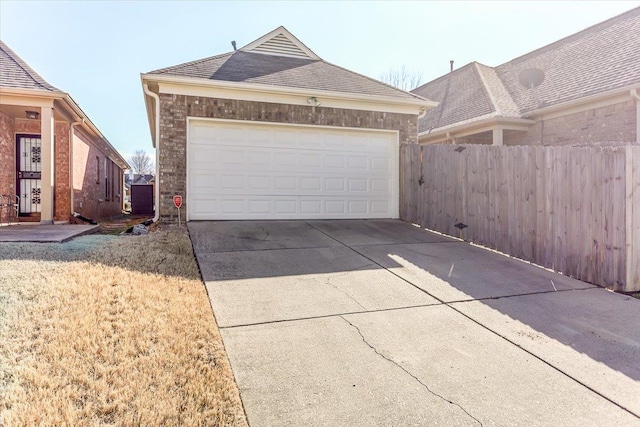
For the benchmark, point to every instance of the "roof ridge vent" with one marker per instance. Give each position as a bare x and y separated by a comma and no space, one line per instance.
280,42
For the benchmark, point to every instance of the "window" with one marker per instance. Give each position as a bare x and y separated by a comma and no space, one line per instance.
107,184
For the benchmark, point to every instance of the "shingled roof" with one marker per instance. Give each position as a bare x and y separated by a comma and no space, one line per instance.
15,73
599,59
282,60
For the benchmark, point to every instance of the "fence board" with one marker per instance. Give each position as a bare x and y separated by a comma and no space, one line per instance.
573,209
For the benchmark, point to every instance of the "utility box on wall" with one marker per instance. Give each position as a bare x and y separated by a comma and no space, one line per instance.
142,199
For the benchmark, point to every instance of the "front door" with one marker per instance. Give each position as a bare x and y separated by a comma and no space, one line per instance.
29,173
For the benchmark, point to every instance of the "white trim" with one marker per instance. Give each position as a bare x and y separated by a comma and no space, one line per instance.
472,128
280,30
281,98
26,100
270,89
395,155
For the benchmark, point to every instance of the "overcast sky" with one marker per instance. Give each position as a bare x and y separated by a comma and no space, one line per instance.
96,51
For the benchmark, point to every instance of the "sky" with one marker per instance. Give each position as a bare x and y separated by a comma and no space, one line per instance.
96,50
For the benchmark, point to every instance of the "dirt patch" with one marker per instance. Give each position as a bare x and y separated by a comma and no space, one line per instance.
107,330
119,223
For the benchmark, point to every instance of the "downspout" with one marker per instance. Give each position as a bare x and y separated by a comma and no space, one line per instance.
156,98
634,94
71,133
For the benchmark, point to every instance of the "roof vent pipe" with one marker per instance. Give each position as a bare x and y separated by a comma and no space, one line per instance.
451,65
233,43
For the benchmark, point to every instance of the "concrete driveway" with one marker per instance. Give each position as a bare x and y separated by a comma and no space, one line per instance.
377,322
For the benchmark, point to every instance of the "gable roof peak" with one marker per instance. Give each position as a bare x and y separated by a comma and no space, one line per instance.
280,42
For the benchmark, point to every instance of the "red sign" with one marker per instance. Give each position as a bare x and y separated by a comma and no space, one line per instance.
177,201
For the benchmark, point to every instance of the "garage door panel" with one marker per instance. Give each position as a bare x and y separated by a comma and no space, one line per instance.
265,207
293,185
254,171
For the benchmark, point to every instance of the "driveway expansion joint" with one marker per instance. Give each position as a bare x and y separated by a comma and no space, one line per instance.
450,306
426,387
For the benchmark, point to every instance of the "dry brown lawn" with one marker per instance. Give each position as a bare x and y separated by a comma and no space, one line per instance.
107,330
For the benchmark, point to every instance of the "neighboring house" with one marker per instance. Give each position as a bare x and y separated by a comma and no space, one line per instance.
271,131
582,89
51,155
136,179
138,190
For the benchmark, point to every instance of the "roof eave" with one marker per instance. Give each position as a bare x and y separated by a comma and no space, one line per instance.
119,160
624,90
36,93
150,112
256,87
75,110
476,125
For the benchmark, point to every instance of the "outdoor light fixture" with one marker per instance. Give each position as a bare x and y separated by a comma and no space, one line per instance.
313,101
32,114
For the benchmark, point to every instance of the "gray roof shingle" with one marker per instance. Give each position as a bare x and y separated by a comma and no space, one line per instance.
603,57
259,68
598,59
461,95
15,73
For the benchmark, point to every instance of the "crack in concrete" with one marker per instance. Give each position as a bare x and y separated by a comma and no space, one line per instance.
409,373
328,281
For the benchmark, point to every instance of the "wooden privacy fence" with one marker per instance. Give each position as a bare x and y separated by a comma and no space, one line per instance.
575,210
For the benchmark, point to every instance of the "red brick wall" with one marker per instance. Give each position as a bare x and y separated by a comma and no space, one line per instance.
613,123
7,157
89,195
62,203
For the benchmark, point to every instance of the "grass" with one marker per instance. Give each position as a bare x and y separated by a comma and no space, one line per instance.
107,330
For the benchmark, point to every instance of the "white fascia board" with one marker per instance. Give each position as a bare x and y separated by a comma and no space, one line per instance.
478,126
151,113
28,98
297,96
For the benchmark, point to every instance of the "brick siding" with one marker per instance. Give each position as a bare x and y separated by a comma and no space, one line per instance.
62,188
612,123
174,110
89,194
7,159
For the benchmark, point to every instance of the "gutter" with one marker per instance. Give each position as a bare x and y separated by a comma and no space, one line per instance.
634,94
264,88
156,144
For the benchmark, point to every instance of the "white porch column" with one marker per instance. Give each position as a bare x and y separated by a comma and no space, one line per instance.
47,164
497,136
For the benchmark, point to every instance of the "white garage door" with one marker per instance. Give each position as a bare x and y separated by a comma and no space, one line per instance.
239,170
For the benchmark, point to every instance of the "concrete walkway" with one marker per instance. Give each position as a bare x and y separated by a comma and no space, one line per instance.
37,233
382,323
